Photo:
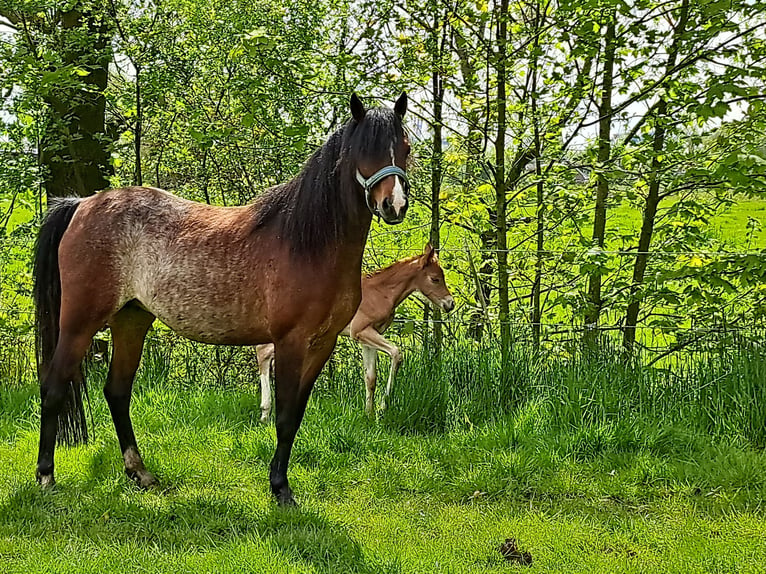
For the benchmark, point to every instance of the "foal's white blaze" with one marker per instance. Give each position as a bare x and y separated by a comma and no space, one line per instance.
399,199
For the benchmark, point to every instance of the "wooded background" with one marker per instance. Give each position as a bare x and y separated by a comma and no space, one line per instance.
589,169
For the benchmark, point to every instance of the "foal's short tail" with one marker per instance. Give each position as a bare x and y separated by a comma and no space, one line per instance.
72,427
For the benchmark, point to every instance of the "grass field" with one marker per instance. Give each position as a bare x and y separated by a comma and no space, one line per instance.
602,481
729,225
591,466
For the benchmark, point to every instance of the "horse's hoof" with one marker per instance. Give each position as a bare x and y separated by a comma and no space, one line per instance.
46,481
264,419
285,498
143,479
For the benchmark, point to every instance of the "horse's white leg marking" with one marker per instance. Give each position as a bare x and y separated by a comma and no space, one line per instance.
399,200
371,338
265,354
370,359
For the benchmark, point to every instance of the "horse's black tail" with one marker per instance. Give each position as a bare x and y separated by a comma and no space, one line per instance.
72,427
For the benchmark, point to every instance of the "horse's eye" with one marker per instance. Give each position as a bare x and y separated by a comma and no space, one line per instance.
435,280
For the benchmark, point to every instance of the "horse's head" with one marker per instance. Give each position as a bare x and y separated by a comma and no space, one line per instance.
378,152
430,280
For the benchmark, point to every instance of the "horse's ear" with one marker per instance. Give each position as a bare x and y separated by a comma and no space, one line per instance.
357,108
428,254
400,107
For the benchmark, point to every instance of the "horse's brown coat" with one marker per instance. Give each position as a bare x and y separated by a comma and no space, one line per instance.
222,275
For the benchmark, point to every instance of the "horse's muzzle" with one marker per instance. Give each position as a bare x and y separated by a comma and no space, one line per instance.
389,212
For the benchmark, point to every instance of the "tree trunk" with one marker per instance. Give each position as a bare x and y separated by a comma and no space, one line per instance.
138,178
594,301
500,188
536,313
436,160
484,279
74,149
474,157
653,196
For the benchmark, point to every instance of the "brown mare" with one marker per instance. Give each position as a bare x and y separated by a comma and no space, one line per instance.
285,269
382,292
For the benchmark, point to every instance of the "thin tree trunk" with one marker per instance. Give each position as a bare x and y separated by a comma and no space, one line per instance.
500,188
593,310
436,160
653,196
484,279
473,143
536,315
139,178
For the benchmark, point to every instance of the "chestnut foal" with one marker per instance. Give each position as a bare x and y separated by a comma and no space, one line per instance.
382,292
284,269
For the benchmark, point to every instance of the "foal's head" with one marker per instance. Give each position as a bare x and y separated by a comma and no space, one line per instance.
430,280
378,153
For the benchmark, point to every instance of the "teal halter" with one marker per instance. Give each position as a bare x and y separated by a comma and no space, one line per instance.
377,177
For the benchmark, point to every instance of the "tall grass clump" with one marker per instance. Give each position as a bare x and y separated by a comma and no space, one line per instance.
716,391
421,399
721,392
730,394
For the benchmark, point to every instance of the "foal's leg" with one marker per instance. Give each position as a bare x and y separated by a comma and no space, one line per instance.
265,354
129,329
297,365
369,337
370,359
65,365
396,361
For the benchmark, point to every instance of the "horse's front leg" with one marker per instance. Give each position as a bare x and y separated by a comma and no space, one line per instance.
297,364
370,359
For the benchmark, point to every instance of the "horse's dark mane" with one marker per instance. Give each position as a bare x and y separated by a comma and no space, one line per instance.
320,206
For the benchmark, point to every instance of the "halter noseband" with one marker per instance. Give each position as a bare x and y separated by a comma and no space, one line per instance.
377,177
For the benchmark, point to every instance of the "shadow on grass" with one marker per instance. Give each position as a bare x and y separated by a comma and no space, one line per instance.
167,522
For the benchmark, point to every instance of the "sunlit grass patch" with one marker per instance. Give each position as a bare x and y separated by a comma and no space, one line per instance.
589,464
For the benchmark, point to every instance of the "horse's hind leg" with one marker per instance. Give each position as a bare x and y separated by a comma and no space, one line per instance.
371,339
129,328
65,365
265,356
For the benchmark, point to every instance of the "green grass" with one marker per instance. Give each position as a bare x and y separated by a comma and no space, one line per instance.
730,225
609,471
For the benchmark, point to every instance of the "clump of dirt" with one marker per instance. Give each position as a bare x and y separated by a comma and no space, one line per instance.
511,552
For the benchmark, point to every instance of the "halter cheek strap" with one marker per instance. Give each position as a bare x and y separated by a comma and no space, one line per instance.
377,177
